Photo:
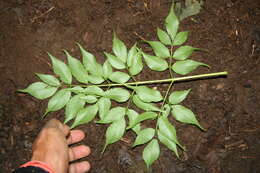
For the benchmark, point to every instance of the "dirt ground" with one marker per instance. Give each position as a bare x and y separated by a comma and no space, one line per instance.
228,107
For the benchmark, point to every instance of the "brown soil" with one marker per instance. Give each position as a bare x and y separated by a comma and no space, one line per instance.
228,107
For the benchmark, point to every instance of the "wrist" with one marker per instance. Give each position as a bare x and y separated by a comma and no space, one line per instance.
39,164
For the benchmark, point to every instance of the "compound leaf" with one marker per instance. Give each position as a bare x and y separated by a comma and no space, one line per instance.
77,69
180,38
163,37
104,105
159,49
119,77
155,63
115,132
94,90
107,69
186,66
58,101
144,136
172,23
73,106
185,115
147,94
168,143
183,52
49,79
144,106
61,69
118,94
142,117
89,99
177,97
151,152
39,90
85,115
114,114
119,49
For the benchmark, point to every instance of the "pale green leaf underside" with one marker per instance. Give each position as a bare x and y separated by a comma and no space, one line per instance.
147,94
58,101
61,69
49,79
155,63
177,97
144,136
186,66
163,37
144,106
115,132
39,90
151,152
185,115
73,106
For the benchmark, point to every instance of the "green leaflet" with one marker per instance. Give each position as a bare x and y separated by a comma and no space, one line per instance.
119,77
115,62
114,114
180,38
168,130
159,49
95,79
132,115
39,90
134,61
58,101
168,143
144,136
163,37
137,128
177,97
73,106
89,99
172,23
104,105
90,62
118,94
186,66
131,55
107,69
49,79
61,69
119,49
77,69
115,132
144,106
142,117
85,115
166,110
185,115
155,63
151,152
94,90
183,52
147,94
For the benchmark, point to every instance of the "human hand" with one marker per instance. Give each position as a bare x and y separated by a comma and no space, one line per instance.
52,147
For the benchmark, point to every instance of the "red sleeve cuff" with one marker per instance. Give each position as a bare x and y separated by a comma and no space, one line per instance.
38,164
